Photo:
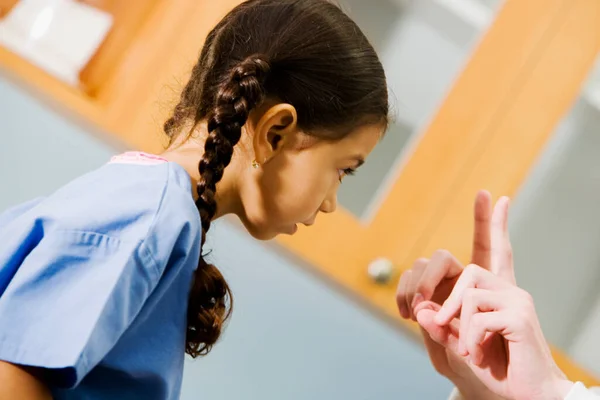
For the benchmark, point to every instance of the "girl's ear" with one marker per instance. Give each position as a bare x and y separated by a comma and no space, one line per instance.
277,126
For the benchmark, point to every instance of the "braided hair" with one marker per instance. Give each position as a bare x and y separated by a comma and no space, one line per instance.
238,95
307,53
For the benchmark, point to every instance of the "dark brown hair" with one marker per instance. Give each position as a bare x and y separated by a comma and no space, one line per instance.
306,53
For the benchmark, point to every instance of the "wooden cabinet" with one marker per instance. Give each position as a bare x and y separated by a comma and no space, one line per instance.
523,67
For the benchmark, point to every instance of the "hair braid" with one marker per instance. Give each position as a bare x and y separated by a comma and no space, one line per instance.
235,98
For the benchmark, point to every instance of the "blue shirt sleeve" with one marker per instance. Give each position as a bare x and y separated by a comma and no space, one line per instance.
70,300
14,212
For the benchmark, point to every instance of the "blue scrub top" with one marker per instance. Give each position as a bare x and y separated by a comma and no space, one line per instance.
94,282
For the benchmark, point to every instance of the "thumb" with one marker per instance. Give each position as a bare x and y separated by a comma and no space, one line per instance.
446,335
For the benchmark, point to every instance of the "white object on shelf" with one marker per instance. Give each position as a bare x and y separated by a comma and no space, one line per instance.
59,36
381,270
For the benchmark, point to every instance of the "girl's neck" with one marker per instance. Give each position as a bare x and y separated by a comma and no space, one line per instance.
187,154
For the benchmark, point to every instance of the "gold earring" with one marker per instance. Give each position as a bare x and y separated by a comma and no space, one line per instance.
255,164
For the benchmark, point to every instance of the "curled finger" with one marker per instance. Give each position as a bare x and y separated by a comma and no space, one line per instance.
442,265
478,301
473,276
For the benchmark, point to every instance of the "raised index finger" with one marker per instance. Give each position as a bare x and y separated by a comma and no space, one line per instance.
482,241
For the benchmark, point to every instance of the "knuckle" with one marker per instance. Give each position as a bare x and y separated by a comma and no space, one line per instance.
509,251
401,288
477,322
421,261
527,299
472,270
470,296
481,246
419,269
442,254
521,320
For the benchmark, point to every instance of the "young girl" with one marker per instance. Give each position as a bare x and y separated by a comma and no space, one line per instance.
103,287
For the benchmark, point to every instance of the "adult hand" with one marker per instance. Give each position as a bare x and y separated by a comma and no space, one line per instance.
520,364
433,280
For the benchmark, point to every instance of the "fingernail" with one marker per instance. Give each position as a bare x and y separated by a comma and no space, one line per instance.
423,306
461,349
417,300
439,317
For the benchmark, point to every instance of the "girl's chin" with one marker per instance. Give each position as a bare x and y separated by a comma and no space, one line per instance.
267,233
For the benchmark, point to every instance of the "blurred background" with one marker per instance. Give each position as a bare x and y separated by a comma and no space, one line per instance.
500,95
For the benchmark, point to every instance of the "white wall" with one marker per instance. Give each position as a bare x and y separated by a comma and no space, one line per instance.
556,225
585,348
291,337
555,229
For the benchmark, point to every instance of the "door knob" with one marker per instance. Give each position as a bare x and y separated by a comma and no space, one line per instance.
381,270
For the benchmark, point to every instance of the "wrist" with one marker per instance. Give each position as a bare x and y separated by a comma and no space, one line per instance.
475,390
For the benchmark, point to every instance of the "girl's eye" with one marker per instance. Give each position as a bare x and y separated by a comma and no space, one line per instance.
345,172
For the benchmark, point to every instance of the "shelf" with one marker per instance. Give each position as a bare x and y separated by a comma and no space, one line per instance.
128,19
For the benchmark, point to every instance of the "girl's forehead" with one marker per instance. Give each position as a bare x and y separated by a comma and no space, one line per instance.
364,136
359,142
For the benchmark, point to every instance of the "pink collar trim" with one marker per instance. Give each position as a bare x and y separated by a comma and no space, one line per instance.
137,157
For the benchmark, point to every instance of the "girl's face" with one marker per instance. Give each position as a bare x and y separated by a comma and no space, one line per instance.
299,175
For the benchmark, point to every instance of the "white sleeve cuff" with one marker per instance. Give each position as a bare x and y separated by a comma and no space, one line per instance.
579,392
455,395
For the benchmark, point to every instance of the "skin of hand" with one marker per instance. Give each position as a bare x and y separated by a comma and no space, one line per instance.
499,336
429,283
489,328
